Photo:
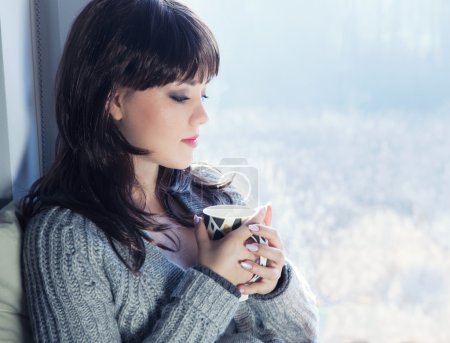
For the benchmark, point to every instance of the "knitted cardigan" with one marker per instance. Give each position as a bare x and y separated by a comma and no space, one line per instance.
78,290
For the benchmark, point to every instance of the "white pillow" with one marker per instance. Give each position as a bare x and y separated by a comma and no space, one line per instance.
14,325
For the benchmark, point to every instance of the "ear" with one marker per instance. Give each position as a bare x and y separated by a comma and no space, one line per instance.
116,104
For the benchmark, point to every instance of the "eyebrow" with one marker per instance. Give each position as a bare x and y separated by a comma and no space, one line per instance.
191,82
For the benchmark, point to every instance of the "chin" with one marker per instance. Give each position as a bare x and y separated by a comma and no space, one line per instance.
178,164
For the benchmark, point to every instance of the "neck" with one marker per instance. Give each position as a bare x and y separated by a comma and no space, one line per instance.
146,173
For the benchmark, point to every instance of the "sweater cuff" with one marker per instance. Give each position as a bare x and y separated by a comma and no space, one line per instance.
282,284
203,294
293,301
219,279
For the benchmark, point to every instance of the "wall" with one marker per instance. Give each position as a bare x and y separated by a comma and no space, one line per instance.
18,99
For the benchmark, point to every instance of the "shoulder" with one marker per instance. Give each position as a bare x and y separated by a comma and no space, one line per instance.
60,231
62,219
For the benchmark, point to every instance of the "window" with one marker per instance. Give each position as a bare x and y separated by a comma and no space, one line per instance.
19,159
343,108
5,167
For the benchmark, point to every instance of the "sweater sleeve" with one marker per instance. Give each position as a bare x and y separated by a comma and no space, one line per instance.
70,298
289,312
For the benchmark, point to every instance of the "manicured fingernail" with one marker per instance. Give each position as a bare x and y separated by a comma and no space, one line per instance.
253,227
251,247
242,290
196,219
246,265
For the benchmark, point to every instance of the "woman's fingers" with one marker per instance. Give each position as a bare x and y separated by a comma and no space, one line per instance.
268,216
267,273
258,217
267,232
201,233
266,284
271,253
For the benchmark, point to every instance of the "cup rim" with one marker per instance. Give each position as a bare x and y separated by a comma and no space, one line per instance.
229,207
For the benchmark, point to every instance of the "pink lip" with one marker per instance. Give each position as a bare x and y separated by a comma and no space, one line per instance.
193,138
192,141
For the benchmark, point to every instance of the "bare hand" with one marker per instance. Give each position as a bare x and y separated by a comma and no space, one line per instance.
274,254
223,256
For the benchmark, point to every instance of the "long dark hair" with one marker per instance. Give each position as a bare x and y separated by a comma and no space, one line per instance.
123,43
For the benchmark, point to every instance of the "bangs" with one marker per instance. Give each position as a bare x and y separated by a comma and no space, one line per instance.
166,42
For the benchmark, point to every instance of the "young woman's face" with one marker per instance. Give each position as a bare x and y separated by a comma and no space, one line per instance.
160,119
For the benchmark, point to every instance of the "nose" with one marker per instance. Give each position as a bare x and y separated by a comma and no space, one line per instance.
199,115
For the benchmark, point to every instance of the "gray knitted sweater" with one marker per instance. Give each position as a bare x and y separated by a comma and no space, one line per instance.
78,290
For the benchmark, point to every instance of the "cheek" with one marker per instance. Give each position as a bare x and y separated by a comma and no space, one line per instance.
149,130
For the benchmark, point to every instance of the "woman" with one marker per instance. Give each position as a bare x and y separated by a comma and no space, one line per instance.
113,248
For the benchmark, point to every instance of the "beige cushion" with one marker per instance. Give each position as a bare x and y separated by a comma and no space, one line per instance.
14,326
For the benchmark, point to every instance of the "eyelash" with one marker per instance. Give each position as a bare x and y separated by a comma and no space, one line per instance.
182,99
179,99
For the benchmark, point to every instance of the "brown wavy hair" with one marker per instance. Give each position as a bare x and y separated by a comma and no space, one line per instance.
124,43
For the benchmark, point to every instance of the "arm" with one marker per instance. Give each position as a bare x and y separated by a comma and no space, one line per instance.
70,298
287,314
289,311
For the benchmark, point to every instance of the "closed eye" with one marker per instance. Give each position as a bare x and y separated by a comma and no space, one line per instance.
180,99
